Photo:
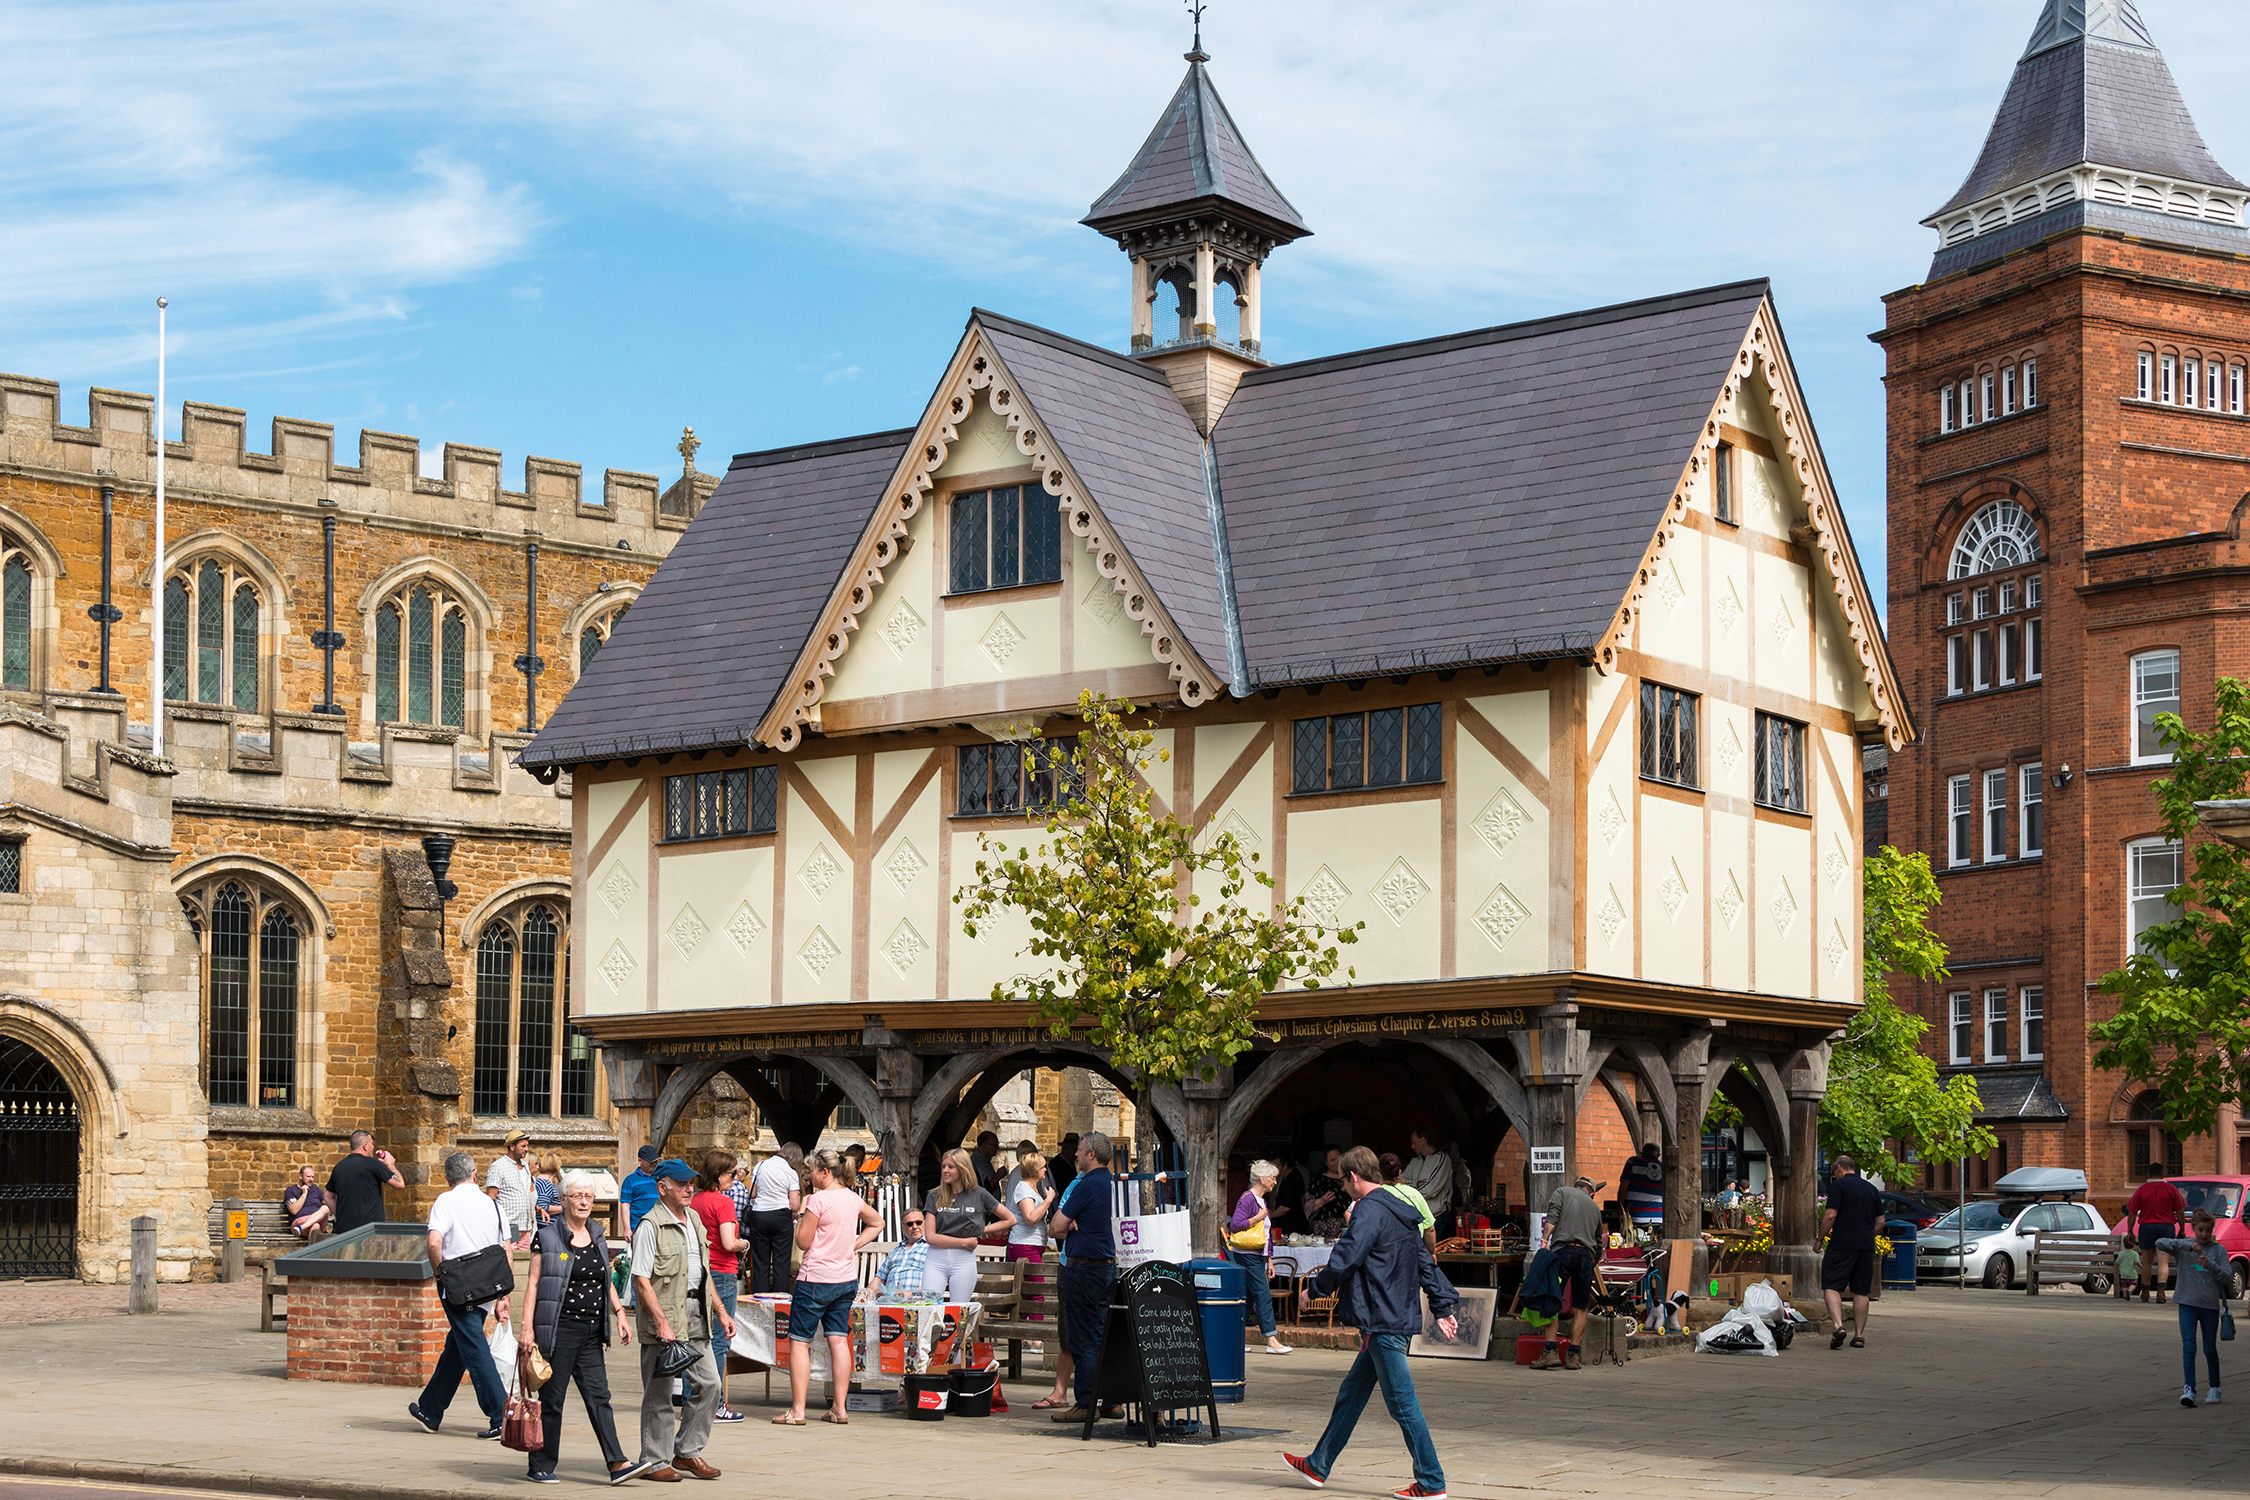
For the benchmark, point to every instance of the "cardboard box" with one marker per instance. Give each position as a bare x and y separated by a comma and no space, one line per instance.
1732,1284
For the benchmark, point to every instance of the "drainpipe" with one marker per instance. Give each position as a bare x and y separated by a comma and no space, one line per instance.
529,663
106,614
328,642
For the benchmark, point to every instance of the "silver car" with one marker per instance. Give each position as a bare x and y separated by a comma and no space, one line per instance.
1998,1236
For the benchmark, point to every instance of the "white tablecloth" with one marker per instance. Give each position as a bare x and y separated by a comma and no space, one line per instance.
1309,1258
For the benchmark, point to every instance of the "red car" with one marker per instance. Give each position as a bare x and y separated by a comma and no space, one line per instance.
2223,1196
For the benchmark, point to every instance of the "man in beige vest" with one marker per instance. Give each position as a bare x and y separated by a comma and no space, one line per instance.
672,1279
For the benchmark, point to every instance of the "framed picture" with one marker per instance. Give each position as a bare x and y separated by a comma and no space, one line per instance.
1472,1338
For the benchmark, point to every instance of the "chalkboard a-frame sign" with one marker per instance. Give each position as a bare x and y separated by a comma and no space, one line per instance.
1152,1349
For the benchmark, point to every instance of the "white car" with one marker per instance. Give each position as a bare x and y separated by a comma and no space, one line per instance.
1998,1237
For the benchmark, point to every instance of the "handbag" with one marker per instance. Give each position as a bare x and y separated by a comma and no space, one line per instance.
537,1372
677,1358
479,1276
1251,1238
2226,1324
521,1427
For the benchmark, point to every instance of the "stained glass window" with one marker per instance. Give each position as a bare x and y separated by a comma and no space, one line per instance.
15,618
250,946
529,1061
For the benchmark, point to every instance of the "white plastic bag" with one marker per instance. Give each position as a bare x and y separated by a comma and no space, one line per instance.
1761,1301
1734,1333
502,1342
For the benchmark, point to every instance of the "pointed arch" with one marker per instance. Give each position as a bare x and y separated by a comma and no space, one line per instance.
597,612
425,653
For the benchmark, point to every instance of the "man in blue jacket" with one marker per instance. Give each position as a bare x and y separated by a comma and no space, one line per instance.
1380,1264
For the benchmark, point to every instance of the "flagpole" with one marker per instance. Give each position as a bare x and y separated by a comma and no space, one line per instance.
156,638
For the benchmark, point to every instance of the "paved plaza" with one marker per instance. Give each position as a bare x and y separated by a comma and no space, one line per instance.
1973,1393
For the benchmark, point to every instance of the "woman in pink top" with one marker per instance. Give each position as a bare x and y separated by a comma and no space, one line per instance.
827,1282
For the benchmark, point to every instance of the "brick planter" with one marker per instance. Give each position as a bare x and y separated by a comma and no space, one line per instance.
368,1332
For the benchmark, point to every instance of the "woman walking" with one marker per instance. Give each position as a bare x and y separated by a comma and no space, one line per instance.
2205,1277
1250,1246
775,1197
566,1316
960,1214
714,1204
821,1302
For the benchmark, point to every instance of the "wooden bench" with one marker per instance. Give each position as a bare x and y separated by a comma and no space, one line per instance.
1022,1309
269,1227
270,1287
2062,1257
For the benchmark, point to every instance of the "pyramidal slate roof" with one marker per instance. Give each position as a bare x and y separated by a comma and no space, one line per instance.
2091,88
1195,154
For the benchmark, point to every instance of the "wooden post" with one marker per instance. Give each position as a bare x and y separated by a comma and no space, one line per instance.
144,1265
2031,1271
230,1248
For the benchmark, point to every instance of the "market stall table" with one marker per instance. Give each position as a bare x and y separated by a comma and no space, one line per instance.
1498,1270
889,1339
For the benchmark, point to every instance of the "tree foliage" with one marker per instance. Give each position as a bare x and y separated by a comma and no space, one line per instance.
1882,1091
2183,1022
1168,982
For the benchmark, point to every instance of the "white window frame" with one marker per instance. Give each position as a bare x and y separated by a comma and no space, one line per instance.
1968,403
2030,384
2031,1008
2234,389
2147,886
1961,1027
1945,408
2146,666
1995,816
2144,388
1996,1025
2031,592
1985,408
1980,660
1980,603
2010,650
2007,596
2211,375
1956,609
2168,379
2191,386
1961,815
2034,639
2031,809
2008,390
1956,665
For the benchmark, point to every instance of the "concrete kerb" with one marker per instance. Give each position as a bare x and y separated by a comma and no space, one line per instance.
241,1484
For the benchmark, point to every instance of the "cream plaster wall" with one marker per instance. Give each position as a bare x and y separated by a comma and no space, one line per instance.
983,444
1501,851
906,902
1672,891
617,896
891,652
816,916
710,954
1610,794
1386,860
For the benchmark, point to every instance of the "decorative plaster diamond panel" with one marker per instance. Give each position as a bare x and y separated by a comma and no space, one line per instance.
1784,908
1400,890
1502,819
687,931
1324,895
1238,825
905,865
617,887
1730,749
745,927
1730,608
1103,602
1729,900
1838,864
904,948
1672,891
1668,587
819,953
820,871
1783,625
901,628
1838,949
1501,915
1000,640
617,965
1611,916
1610,820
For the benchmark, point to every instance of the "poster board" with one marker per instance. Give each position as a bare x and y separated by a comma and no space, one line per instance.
1152,1349
1472,1339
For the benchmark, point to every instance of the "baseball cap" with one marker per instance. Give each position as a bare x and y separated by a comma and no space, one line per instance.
673,1169
650,1153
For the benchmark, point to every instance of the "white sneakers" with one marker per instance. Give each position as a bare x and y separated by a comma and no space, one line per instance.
1277,1347
2187,1395
2213,1398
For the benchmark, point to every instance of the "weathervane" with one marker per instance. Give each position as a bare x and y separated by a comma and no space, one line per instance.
1195,9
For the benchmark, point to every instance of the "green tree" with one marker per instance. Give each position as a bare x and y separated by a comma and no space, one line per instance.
1167,983
1882,1091
2183,1019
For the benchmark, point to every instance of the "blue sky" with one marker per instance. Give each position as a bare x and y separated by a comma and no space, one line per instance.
567,229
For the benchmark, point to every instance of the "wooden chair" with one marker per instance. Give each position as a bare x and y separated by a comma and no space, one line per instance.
1322,1307
1036,1316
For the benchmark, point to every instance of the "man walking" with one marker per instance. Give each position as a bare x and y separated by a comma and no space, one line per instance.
1377,1269
1430,1173
2155,1212
1089,1268
1576,1220
462,1222
1854,1209
638,1191
673,1299
356,1185
509,1183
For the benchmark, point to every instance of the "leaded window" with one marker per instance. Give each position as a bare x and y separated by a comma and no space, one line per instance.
1002,537
11,867
211,621
596,635
250,944
1668,734
527,1060
422,657
15,614
1779,773
721,804
1017,776
2001,535
1379,748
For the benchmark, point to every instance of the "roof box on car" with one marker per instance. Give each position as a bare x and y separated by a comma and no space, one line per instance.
2041,1182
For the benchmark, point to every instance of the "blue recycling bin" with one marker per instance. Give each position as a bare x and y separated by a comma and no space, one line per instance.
1218,1297
1898,1266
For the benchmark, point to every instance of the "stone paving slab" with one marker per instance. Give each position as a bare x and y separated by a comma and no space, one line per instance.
1959,1394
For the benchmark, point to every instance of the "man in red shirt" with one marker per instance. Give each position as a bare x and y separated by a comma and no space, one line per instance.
2154,1212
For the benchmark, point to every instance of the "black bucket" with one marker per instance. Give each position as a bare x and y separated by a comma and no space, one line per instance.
971,1392
925,1398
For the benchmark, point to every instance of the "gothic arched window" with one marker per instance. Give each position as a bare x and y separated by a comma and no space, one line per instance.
2150,1149
422,657
211,635
249,942
595,636
527,1060
2001,535
15,614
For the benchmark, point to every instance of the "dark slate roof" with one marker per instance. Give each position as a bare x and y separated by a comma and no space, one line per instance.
2015,1094
711,639
1477,498
1195,153
2091,90
2141,223
1130,440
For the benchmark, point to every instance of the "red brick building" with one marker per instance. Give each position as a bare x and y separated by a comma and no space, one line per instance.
2068,467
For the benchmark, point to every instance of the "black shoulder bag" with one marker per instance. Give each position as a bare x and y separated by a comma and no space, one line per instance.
479,1276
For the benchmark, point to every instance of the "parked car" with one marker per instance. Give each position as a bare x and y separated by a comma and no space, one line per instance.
1998,1239
1924,1209
2224,1196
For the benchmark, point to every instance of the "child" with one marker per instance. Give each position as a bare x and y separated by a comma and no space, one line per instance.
2128,1267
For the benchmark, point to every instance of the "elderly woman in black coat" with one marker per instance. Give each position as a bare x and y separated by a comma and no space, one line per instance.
567,1312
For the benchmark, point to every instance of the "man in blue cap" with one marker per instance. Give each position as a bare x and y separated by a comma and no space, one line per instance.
674,1301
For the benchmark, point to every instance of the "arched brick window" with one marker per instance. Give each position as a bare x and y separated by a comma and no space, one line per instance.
249,941
2150,1149
16,655
527,1060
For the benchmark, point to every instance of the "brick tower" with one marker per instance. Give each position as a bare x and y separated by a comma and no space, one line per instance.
2069,456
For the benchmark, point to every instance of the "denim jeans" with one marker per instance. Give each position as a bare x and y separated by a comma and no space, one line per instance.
1085,1289
1256,1288
1382,1361
577,1355
2191,1319
465,1353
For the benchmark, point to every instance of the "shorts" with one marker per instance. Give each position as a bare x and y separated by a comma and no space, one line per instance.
1574,1263
826,1305
1843,1270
